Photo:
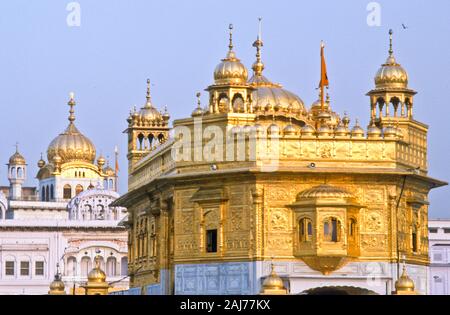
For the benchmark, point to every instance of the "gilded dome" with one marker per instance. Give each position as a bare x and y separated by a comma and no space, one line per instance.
357,131
71,145
391,74
290,130
390,132
341,130
230,71
273,281
324,191
17,158
148,114
277,97
308,130
404,283
373,131
97,274
57,284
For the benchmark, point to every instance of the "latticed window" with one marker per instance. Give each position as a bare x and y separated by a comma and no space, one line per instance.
9,268
331,227
211,241
39,268
24,268
305,232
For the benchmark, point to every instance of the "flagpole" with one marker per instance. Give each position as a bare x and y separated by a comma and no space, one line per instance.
116,170
322,99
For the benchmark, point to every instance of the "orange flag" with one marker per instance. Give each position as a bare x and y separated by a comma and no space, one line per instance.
323,68
116,152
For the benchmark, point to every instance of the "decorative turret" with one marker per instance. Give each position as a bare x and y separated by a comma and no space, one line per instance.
230,92
147,129
391,98
17,173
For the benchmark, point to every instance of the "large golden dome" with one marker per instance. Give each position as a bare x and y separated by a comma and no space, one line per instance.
230,70
269,96
71,145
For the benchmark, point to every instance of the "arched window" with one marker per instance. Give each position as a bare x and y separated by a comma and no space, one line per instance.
223,104
67,191
78,189
140,139
86,266
305,231
238,104
151,140
414,239
43,193
100,212
19,172
105,184
47,194
101,262
52,192
13,172
331,229
71,266
111,184
352,228
124,266
111,266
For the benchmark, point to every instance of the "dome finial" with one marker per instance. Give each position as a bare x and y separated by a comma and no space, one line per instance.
230,45
71,103
390,42
258,66
148,97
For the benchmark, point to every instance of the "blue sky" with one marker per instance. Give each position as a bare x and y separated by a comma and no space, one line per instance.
177,44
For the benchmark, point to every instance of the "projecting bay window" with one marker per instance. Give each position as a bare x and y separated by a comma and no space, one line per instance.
211,241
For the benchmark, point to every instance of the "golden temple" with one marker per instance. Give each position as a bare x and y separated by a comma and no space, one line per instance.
256,174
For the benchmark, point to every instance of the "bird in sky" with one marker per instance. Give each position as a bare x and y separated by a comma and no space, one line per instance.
404,26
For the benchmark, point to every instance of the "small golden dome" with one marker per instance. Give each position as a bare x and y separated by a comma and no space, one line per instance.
108,171
390,132
324,130
101,160
17,158
324,191
41,162
148,113
404,283
57,284
198,111
391,74
357,131
308,130
373,131
230,70
97,274
273,281
341,130
290,130
71,145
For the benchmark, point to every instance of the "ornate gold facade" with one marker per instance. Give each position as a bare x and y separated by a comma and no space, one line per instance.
332,195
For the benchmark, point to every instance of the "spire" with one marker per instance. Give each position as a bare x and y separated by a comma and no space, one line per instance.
148,97
258,66
71,103
230,45
390,43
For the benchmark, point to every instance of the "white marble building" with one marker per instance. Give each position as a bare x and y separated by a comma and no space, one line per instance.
66,220
439,237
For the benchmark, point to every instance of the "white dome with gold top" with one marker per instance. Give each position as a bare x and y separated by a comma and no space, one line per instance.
71,145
